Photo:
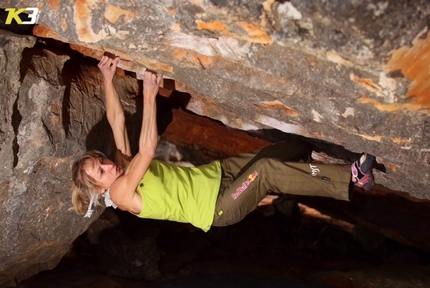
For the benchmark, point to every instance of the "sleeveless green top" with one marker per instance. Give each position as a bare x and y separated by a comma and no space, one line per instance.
180,194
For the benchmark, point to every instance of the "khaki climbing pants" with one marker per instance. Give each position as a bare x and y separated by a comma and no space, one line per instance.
249,177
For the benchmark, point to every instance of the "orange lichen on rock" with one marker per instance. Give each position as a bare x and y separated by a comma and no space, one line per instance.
192,57
172,11
45,32
199,59
136,65
255,33
113,13
82,12
63,24
163,67
400,140
366,83
82,18
211,26
414,64
53,4
176,27
412,106
82,15
155,65
179,53
278,105
389,107
392,166
205,60
86,51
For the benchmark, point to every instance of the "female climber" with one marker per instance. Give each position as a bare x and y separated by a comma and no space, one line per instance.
220,193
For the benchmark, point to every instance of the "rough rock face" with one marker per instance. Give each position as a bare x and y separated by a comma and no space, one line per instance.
31,173
351,73
49,117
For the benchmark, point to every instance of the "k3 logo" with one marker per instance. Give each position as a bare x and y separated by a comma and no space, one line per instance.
13,13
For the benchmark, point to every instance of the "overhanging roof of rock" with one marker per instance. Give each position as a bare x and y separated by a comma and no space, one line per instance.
351,74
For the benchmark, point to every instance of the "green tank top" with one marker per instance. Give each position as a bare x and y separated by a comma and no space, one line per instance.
180,194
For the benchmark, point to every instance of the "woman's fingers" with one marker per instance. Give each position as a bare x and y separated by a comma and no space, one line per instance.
115,61
104,60
159,77
107,66
107,62
149,76
151,84
152,77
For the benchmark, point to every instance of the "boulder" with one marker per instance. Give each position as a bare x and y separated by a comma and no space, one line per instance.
350,75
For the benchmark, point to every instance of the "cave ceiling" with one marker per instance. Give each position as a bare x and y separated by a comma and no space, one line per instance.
352,73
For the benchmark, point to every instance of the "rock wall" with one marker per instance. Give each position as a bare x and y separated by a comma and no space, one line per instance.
50,116
32,183
354,74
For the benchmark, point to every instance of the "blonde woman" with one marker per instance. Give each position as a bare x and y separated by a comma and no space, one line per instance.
220,193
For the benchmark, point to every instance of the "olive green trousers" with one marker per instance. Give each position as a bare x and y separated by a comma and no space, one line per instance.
280,168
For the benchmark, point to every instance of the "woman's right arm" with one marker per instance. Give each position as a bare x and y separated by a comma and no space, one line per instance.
123,192
114,111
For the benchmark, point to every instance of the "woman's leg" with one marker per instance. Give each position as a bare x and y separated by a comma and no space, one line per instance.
292,150
243,195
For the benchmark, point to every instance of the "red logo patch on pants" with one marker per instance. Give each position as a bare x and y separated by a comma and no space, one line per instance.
239,191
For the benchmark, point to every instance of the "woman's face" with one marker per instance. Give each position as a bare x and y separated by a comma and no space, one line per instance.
104,172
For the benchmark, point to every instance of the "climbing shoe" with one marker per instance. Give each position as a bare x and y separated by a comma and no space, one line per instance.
362,171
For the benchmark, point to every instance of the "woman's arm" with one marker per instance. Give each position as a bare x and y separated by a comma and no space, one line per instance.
115,111
127,199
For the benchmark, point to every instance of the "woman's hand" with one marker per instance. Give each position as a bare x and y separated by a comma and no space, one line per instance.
108,66
151,83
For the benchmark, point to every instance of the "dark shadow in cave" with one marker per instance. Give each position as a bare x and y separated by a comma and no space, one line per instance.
100,136
333,150
16,120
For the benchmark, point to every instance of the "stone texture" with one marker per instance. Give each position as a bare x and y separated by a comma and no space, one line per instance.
354,74
38,145
350,73
35,182
53,113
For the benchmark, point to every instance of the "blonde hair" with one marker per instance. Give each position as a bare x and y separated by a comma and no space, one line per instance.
85,187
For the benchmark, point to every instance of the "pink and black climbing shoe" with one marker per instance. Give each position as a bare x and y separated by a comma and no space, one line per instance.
362,171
